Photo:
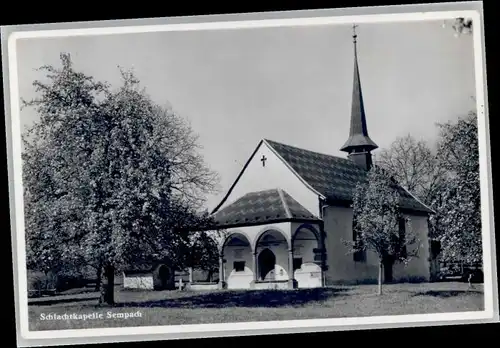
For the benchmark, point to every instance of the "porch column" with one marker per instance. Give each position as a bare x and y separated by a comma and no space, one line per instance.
292,283
222,283
323,266
190,270
321,244
254,268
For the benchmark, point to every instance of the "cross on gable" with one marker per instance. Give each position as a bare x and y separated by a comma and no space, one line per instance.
263,160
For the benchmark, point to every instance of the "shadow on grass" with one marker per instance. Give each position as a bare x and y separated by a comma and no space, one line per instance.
51,301
249,298
448,294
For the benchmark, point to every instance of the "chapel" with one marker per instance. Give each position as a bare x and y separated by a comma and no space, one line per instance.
287,213
285,217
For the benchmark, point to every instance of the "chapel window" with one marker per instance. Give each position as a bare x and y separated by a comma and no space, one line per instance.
297,263
239,266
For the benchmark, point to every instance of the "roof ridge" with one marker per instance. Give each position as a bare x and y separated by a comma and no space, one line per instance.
258,191
330,176
303,149
291,201
276,206
285,204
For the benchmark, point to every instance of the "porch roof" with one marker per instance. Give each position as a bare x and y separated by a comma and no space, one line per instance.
262,207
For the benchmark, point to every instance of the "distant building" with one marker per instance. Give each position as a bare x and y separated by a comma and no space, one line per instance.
157,277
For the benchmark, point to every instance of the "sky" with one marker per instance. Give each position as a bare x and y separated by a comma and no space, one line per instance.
288,84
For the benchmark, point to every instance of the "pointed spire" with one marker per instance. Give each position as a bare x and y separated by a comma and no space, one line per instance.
358,140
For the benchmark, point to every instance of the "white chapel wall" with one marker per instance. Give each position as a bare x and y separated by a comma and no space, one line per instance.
275,174
341,265
418,268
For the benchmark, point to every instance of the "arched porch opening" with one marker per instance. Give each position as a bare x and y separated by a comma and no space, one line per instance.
307,257
237,270
266,264
163,277
271,258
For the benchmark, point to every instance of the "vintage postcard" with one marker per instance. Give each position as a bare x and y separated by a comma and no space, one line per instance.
249,174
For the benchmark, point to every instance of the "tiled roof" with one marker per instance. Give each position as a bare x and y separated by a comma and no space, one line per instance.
263,207
333,177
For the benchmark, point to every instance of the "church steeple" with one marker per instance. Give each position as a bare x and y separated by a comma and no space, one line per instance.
358,145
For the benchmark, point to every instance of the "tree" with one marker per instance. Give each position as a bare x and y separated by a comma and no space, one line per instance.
415,166
110,177
458,208
461,26
379,224
51,214
203,253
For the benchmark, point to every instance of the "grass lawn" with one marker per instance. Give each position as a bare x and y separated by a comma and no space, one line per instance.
184,307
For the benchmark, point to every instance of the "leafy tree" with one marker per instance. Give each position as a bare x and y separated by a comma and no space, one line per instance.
447,181
458,208
203,253
50,221
111,178
379,222
461,26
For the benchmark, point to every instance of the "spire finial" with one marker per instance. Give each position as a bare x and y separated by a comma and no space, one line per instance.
354,35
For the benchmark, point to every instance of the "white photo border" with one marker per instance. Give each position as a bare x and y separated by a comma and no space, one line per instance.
360,15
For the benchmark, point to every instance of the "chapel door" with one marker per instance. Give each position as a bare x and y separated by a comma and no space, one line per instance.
164,275
267,263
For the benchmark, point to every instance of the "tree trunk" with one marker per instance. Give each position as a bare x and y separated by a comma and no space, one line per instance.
107,288
380,273
99,277
209,275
